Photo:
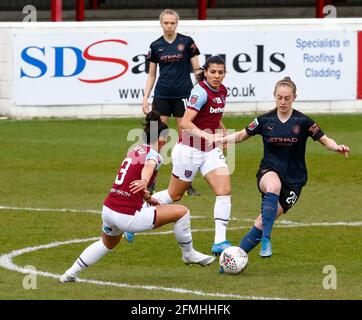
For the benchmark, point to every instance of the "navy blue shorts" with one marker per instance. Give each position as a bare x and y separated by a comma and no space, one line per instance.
169,107
288,195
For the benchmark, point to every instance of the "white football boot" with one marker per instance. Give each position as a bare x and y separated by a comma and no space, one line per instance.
66,278
196,257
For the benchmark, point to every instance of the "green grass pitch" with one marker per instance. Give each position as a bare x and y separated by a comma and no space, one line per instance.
49,165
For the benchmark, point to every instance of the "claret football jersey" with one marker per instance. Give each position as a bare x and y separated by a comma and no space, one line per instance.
209,104
120,198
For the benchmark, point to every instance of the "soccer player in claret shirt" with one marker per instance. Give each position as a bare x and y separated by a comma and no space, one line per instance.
176,54
282,172
123,211
192,153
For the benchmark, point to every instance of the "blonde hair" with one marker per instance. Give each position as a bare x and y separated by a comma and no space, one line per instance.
171,12
286,81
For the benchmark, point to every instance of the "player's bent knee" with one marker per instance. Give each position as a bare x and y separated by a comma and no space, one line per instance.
224,191
176,197
181,210
274,189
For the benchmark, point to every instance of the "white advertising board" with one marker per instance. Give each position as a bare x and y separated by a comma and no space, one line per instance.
110,68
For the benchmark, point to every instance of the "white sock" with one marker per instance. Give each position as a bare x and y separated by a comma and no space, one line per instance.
182,230
89,256
163,197
222,212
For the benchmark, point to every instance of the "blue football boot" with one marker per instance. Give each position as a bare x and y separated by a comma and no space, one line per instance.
129,236
217,248
266,248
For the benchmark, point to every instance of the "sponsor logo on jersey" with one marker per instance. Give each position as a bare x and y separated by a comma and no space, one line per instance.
296,129
278,139
314,129
217,100
193,47
193,99
171,57
188,173
180,47
216,110
253,124
270,128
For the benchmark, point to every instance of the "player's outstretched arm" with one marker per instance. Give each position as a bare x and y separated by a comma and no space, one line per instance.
330,144
236,137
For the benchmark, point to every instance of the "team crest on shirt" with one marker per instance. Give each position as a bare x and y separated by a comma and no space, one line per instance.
193,99
180,47
296,129
253,124
188,173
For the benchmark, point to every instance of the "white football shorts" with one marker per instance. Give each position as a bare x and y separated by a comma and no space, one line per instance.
186,161
115,223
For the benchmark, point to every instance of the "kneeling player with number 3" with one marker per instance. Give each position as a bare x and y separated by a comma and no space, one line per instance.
123,211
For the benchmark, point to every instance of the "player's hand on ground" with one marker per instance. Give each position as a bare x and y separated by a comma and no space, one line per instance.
343,149
137,186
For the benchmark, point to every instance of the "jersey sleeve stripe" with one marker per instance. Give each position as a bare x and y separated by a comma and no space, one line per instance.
197,110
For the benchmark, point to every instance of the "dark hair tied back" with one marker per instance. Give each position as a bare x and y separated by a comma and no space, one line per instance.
153,116
210,60
154,127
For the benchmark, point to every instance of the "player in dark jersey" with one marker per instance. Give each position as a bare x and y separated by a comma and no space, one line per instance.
176,54
123,211
282,172
192,154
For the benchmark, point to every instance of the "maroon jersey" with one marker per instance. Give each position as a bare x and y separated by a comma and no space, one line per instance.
120,198
209,104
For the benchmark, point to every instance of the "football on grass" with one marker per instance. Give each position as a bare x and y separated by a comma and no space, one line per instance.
233,260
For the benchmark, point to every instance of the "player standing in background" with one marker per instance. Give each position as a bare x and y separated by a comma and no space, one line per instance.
176,55
282,172
199,123
122,209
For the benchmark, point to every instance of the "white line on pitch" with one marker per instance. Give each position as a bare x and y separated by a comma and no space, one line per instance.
281,223
6,261
65,210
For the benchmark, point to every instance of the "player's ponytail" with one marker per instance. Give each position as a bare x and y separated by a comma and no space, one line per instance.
286,81
213,59
154,127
